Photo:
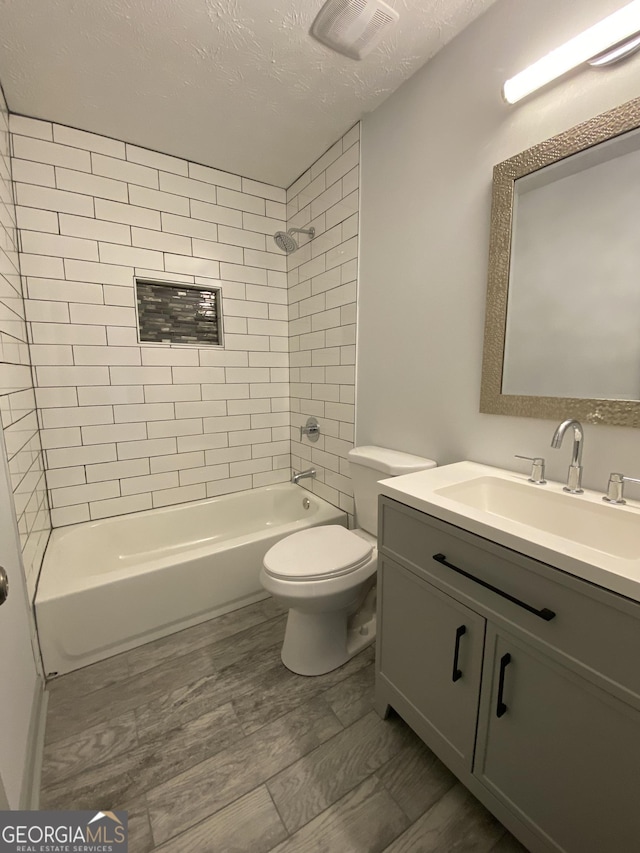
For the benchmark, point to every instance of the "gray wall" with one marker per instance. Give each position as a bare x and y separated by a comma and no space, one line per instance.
427,159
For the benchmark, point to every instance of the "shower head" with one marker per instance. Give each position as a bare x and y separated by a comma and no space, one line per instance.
286,243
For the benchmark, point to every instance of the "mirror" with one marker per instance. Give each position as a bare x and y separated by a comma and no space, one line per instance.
562,329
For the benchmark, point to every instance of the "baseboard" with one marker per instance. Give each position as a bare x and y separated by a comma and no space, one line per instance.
30,794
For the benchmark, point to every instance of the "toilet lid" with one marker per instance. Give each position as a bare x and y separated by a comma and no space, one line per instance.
316,553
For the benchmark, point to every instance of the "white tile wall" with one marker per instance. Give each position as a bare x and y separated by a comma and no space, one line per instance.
322,289
17,399
129,427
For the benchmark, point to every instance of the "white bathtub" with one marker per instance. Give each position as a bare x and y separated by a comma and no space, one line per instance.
108,586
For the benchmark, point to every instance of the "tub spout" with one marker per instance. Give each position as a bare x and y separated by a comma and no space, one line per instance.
310,472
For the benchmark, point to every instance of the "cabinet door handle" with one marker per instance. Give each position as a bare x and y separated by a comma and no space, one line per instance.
501,708
544,613
456,675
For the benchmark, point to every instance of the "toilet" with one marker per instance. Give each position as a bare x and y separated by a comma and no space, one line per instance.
326,575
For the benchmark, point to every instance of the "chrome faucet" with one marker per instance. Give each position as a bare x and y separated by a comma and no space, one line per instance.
574,477
310,472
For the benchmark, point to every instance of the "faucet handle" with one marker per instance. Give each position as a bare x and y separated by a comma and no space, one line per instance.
537,469
615,488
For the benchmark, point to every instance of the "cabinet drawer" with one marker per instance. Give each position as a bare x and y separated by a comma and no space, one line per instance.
595,628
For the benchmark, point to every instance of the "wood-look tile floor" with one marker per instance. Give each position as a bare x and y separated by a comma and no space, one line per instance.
213,746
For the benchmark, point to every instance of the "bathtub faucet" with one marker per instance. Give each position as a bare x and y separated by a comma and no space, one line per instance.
310,472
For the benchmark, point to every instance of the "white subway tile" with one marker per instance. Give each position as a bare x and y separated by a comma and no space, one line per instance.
247,374
100,273
121,336
183,494
188,227
46,198
329,157
258,293
89,141
170,356
227,454
45,311
215,357
54,397
343,209
69,515
128,214
67,458
162,429
149,448
244,342
113,433
155,160
38,243
240,237
269,478
224,424
41,266
204,475
262,224
116,470
30,219
243,308
81,416
157,200
120,506
64,291
143,412
269,389
53,153
177,462
110,253
140,375
351,136
276,210
161,241
224,392
235,325
137,485
94,229
214,176
125,297
50,376
192,266
241,201
79,182
57,438
171,393
249,275
227,487
190,443
187,187
348,161
215,213
121,170
26,172
263,190
109,395
58,478
83,494
217,251
23,126
106,355
189,375
249,436
102,315
298,185
201,409
64,333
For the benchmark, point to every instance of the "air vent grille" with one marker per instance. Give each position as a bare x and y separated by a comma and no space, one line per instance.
353,27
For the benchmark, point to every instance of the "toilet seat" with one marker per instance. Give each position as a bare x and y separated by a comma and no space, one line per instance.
317,553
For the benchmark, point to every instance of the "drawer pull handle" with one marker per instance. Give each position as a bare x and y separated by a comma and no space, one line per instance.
545,613
456,675
501,708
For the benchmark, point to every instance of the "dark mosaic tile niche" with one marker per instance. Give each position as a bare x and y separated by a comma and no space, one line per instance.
178,314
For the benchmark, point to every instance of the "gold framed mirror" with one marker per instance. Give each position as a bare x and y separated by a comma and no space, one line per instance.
562,327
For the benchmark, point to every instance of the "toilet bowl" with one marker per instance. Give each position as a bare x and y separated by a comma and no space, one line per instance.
326,575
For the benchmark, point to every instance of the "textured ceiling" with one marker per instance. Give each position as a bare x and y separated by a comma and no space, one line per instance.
235,84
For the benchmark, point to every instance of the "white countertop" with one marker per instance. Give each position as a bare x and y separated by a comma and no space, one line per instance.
619,572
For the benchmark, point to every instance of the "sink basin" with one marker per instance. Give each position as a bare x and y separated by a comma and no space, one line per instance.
595,525
579,534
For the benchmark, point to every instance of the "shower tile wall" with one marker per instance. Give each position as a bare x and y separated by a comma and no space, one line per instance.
322,309
17,401
127,427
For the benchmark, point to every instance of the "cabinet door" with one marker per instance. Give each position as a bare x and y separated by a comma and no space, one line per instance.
430,653
559,751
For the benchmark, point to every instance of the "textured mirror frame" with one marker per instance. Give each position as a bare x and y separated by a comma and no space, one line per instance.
492,401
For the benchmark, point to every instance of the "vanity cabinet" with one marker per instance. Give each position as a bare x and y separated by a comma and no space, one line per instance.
536,704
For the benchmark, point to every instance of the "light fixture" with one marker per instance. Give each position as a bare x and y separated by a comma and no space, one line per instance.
604,43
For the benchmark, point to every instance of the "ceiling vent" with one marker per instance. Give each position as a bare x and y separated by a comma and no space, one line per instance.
353,27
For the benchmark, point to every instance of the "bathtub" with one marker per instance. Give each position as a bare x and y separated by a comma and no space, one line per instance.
108,586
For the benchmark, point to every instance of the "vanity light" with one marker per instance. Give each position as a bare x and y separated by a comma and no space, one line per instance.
608,37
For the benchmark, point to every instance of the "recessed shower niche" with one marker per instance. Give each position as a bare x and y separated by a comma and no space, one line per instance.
174,313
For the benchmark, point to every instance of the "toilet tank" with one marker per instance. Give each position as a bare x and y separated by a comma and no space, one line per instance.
369,465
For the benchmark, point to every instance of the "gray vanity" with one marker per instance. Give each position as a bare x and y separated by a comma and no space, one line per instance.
521,674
